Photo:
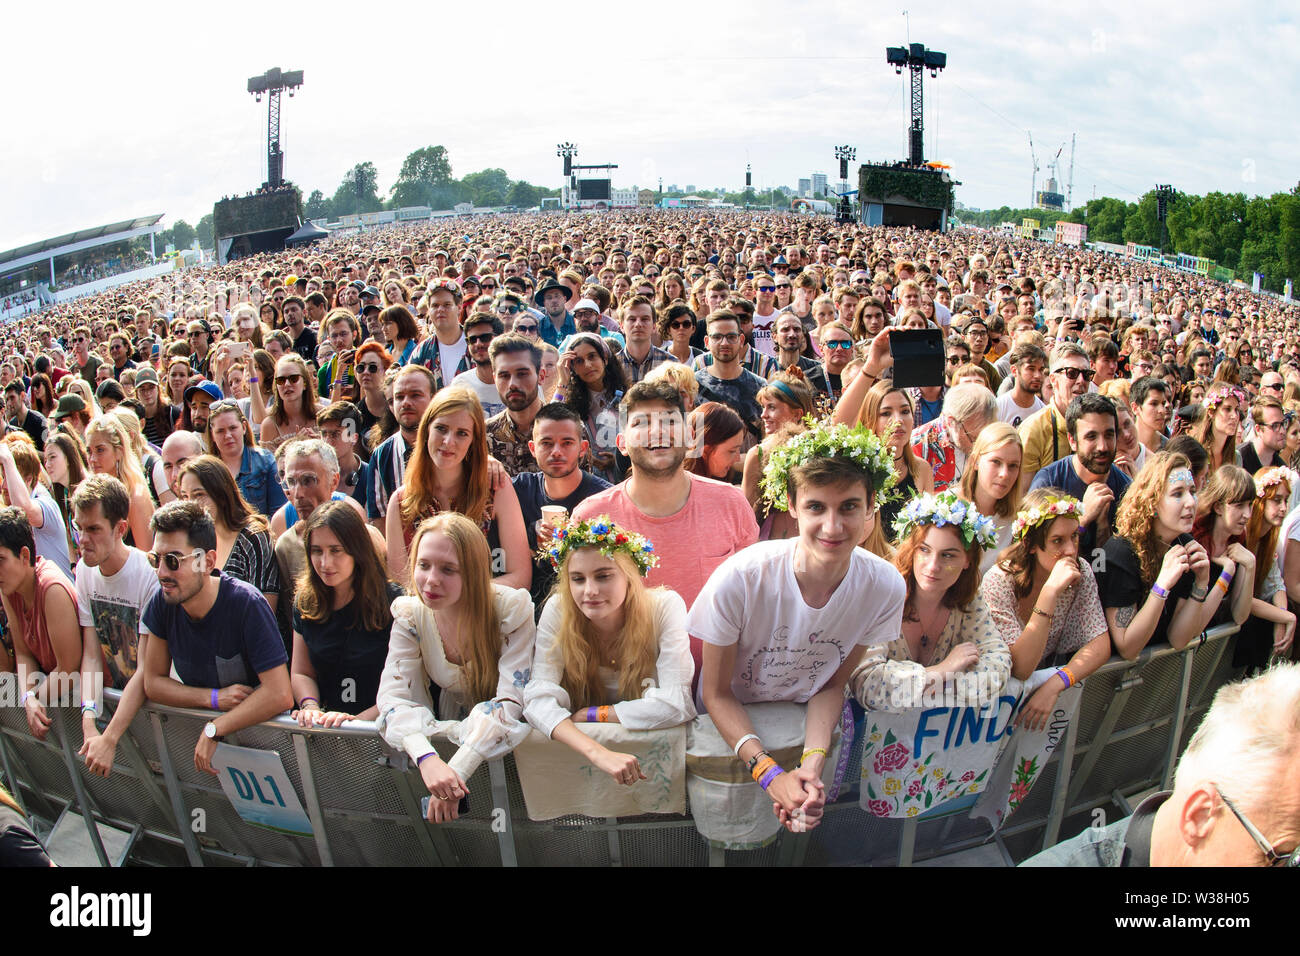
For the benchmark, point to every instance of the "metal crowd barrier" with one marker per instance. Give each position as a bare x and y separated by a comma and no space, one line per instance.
363,799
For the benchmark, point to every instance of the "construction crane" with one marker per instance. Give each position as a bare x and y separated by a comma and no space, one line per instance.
1069,189
1033,181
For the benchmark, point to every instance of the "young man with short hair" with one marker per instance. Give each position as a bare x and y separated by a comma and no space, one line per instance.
558,445
724,380
1089,472
41,606
1150,401
413,390
1264,449
1027,365
639,354
114,585
217,631
480,329
1043,433
445,353
784,621
517,365
20,416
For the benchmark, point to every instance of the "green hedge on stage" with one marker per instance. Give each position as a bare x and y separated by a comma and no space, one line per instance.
242,215
923,187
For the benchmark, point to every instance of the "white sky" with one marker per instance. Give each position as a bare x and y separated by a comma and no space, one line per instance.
122,110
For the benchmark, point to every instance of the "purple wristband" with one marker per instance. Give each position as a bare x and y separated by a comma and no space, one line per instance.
771,775
1065,678
431,753
593,715
1159,592
215,703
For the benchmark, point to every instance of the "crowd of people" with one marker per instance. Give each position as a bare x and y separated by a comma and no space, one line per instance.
638,468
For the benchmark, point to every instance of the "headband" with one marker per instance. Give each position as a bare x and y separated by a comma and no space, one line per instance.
787,391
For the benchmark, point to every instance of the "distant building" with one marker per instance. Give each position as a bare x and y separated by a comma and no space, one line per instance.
1071,233
690,188
805,188
819,185
625,198
645,197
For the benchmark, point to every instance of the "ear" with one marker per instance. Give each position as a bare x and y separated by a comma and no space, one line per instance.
1196,817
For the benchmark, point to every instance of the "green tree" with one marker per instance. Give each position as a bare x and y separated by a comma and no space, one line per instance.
317,206
1140,223
422,173
487,184
524,195
359,191
203,231
182,234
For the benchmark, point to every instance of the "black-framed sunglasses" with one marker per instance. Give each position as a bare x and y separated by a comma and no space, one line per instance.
368,367
172,559
1274,858
1073,373
482,338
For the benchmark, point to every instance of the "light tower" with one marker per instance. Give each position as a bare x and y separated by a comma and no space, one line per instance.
273,82
916,57
846,155
567,151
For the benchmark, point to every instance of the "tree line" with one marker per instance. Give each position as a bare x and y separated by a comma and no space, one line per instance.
1246,234
425,179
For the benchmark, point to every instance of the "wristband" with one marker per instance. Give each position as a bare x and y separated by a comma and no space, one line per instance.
26,695
302,704
754,760
89,706
1070,674
812,750
1038,610
1222,585
763,767
1159,592
215,703
1065,677
431,753
772,773
744,740
591,715
602,714
253,378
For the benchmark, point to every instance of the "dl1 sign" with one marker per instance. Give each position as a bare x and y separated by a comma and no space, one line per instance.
260,791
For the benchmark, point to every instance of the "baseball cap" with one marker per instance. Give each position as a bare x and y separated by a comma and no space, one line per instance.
586,304
211,388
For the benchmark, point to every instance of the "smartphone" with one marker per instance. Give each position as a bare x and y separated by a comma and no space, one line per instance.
239,349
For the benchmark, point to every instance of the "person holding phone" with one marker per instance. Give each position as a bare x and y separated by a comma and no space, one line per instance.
337,378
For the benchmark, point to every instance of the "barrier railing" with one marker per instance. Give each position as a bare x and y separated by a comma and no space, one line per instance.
363,800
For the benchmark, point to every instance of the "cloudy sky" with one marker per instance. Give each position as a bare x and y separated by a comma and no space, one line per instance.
116,112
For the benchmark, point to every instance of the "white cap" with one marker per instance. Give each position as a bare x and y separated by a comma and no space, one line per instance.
586,304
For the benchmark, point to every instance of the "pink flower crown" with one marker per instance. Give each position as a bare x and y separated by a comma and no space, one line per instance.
1055,508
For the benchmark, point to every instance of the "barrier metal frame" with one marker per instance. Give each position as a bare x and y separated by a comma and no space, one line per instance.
497,831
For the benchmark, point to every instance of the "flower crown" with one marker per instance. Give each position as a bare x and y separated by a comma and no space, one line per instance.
1056,507
1219,393
1274,476
603,534
858,445
946,508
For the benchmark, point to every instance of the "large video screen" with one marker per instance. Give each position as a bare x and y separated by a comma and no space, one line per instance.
593,189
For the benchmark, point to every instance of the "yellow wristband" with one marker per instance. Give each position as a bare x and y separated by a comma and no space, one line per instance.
812,750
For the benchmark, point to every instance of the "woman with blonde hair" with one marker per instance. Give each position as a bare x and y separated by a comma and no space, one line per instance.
1044,600
293,406
110,451
1271,627
991,481
448,471
609,649
887,411
785,402
1217,429
474,639
680,377
1155,583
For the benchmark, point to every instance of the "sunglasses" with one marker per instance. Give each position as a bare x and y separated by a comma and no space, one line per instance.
1073,373
482,338
766,288
508,310
293,379
681,325
304,481
958,359
526,329
838,344
368,368
172,559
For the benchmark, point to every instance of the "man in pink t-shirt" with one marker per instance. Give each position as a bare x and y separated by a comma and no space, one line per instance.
694,523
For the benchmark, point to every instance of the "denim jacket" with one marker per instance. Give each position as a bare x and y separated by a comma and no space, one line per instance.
259,481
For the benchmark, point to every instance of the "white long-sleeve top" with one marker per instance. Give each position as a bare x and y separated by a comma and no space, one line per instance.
665,704
481,729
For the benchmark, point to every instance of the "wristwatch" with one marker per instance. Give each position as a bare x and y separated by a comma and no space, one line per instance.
1200,592
210,730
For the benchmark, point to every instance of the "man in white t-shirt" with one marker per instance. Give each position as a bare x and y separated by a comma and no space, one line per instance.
114,583
786,621
480,329
1028,363
765,313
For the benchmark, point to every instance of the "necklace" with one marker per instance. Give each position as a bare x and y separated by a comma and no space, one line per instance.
926,629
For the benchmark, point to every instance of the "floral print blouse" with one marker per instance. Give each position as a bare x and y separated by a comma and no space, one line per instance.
888,679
